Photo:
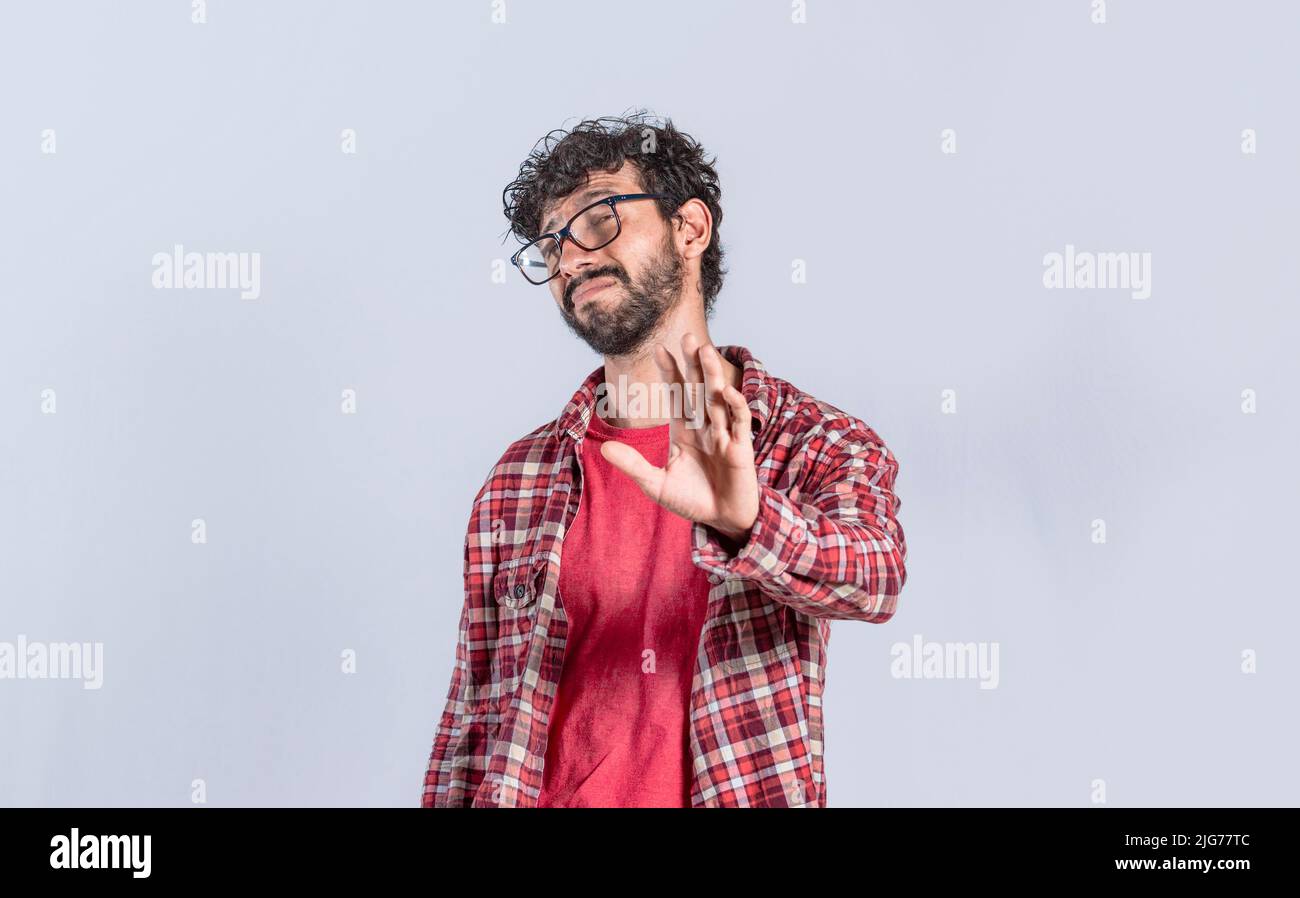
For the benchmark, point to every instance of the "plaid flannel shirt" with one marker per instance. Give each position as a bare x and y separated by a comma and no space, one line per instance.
826,545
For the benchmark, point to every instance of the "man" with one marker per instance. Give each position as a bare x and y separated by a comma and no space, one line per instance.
649,585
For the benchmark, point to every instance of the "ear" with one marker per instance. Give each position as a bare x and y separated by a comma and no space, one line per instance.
694,228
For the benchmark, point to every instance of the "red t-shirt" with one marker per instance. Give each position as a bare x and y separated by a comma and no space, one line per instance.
619,731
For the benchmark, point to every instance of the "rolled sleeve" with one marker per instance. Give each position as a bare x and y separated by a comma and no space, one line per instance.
778,539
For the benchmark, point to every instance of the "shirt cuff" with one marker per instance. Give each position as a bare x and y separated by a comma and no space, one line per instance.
778,539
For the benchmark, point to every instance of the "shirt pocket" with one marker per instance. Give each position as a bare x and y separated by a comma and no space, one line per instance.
516,582
515,589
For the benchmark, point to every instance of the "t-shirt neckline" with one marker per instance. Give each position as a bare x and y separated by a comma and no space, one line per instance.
601,429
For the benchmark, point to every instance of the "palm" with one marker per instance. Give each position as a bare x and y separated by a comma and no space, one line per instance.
710,476
701,480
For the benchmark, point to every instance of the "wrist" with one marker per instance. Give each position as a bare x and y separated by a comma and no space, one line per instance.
736,533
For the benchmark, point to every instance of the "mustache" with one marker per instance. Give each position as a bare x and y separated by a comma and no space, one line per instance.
617,273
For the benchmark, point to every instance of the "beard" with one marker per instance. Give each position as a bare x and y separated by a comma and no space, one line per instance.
622,327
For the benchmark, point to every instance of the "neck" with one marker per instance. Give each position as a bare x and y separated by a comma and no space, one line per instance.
627,376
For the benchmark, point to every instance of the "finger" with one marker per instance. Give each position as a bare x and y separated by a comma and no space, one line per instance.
690,353
694,377
667,364
715,382
632,463
741,416
672,374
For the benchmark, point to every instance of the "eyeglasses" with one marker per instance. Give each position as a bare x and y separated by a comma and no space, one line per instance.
594,227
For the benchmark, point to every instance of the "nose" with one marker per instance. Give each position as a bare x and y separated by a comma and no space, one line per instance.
574,259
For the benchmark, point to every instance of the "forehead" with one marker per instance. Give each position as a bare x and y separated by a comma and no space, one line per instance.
599,184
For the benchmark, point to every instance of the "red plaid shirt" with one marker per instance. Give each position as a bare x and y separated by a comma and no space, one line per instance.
826,545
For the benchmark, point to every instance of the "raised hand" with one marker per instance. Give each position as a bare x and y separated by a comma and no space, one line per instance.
710,476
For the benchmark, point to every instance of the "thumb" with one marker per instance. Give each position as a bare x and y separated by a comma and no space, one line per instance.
633,464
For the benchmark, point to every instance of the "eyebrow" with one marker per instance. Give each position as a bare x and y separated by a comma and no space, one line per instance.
589,194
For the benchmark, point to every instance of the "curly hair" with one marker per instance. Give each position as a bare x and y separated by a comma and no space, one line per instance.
667,160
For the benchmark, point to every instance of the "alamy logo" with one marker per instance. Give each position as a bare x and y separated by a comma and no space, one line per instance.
53,661
945,661
211,271
1101,271
78,852
639,400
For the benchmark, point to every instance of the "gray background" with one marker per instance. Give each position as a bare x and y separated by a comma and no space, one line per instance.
328,531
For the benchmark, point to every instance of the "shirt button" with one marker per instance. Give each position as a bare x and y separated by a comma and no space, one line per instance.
520,591
714,579
797,536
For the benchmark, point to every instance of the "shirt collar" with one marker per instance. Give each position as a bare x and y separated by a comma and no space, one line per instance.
756,385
